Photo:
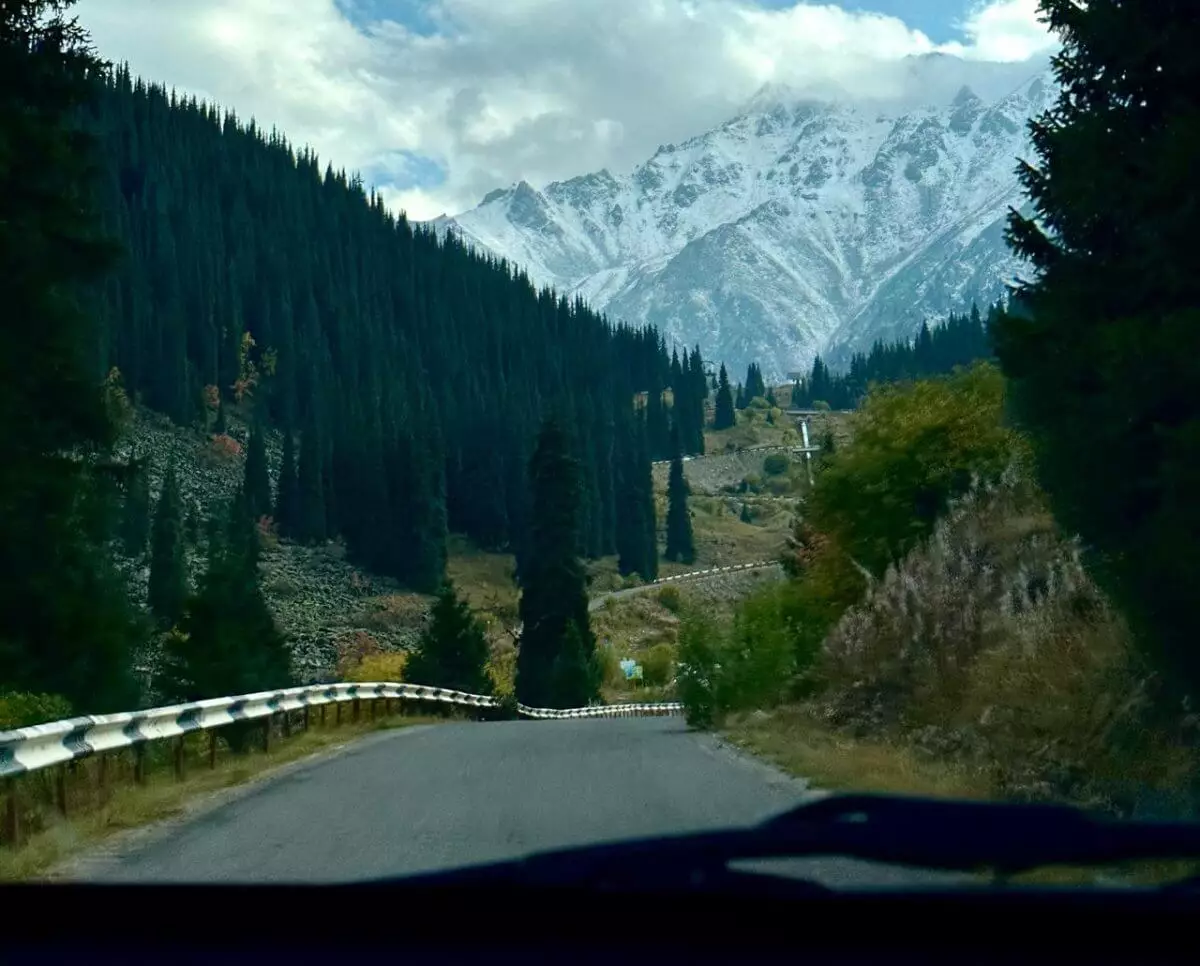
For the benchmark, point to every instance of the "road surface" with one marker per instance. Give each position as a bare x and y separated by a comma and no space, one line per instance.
448,795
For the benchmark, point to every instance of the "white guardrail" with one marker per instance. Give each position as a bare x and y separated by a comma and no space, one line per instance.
42,746
711,571
797,448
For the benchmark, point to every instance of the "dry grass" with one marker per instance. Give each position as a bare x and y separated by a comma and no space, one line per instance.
795,740
484,579
990,645
93,814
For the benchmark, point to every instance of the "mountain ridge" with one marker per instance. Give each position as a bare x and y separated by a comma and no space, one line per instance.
794,228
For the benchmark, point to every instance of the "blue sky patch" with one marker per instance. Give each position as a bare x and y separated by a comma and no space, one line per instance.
405,169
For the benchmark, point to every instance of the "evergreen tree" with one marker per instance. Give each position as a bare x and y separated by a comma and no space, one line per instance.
575,676
135,518
287,502
680,543
724,417
310,483
453,650
745,516
1101,348
256,483
554,598
227,642
65,623
168,570
740,399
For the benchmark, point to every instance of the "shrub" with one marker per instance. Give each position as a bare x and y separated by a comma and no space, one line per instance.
19,709
914,448
268,533
224,448
657,665
775,464
502,669
384,666
989,642
670,598
352,649
698,669
821,406
759,402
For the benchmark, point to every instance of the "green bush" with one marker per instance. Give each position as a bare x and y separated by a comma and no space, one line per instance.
20,710
759,402
915,446
657,665
775,464
670,598
698,668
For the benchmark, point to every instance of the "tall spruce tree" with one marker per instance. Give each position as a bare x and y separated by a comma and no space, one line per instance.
453,651
135,514
287,501
681,545
65,623
725,416
256,483
168,569
311,526
229,642
554,600
1101,348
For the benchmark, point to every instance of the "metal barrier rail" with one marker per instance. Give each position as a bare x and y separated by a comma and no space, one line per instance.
714,570
45,745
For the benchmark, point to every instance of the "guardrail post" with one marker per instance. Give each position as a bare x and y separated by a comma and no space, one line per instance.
323,707
139,763
306,717
356,711
267,733
12,814
338,716
287,724
373,703
178,752
387,707
212,748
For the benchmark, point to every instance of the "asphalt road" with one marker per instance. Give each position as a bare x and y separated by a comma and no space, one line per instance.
442,796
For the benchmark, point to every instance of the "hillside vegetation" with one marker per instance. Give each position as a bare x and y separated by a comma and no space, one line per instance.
936,608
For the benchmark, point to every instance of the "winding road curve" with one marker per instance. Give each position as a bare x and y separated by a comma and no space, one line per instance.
434,797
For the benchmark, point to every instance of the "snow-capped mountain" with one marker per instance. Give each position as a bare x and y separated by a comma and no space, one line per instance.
797,227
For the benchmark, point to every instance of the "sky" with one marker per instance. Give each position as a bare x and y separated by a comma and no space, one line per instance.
437,102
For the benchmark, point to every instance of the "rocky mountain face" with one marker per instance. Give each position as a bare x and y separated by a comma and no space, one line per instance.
796,227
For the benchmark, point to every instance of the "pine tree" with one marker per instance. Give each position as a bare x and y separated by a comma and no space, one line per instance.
553,581
65,623
680,543
739,399
724,417
310,483
168,571
135,517
256,483
1100,350
287,503
453,651
227,642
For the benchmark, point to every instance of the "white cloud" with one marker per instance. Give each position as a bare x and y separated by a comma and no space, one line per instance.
533,89
1006,30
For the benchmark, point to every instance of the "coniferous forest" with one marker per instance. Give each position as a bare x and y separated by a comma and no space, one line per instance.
960,340
409,373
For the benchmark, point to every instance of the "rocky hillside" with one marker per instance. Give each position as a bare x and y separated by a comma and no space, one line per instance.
317,597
